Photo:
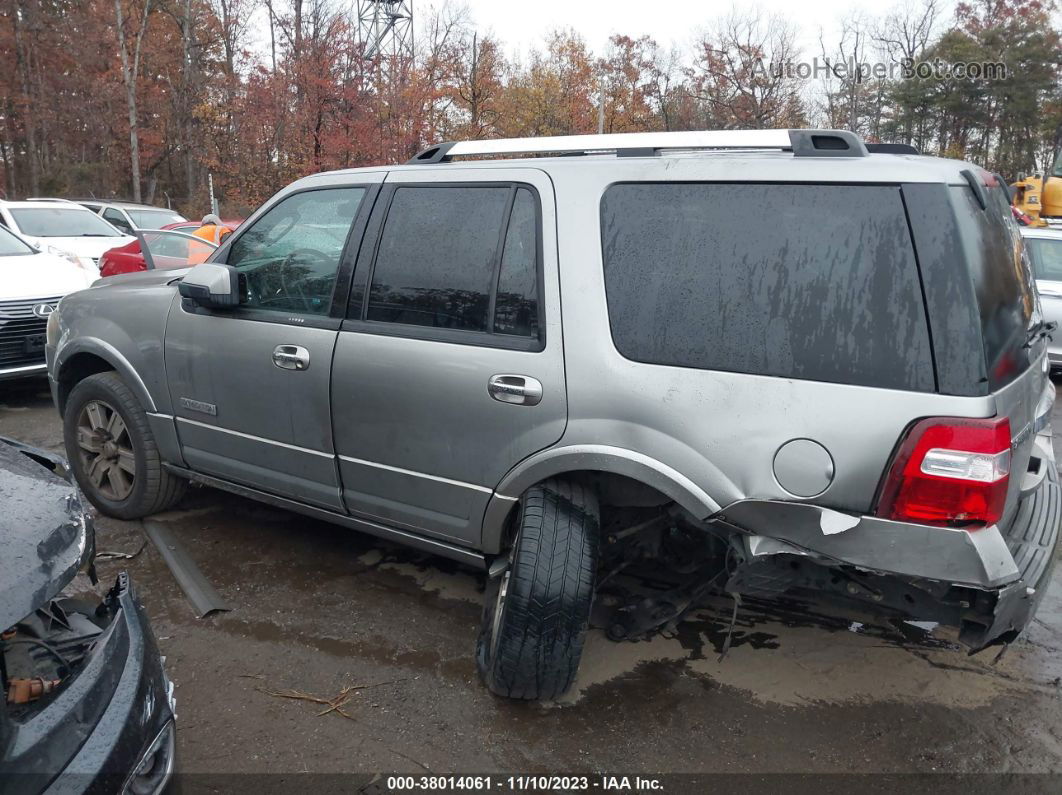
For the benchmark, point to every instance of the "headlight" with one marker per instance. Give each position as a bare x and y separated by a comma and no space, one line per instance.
51,329
156,765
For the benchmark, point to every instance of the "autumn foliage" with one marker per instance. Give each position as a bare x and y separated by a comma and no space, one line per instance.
255,93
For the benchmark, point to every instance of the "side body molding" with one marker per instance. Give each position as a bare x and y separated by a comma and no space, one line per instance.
596,458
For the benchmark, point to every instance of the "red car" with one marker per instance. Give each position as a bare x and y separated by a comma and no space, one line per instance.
130,259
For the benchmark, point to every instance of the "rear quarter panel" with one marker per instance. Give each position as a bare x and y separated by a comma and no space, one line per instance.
719,429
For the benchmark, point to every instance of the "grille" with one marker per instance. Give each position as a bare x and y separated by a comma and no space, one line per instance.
22,332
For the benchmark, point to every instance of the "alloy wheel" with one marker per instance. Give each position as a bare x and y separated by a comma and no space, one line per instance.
106,450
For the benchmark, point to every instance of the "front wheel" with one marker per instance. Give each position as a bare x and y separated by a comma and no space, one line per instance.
537,610
112,451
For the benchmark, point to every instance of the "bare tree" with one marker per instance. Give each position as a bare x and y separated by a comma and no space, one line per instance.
853,95
25,13
908,29
742,76
130,71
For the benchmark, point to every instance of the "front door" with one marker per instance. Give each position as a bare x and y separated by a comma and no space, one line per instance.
250,386
449,368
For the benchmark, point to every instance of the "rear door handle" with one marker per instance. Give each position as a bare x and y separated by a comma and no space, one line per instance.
291,357
523,390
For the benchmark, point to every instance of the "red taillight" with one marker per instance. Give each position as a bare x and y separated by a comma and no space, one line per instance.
949,471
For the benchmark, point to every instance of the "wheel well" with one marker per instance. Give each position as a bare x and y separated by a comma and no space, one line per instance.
77,369
615,493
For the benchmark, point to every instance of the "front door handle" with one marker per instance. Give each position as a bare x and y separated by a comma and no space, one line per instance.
522,390
291,357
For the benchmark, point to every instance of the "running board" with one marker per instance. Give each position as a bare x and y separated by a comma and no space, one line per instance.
422,543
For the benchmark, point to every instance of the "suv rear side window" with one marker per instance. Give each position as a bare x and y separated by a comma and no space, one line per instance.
460,258
1002,280
815,282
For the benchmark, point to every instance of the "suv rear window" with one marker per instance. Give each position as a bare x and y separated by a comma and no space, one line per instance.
815,282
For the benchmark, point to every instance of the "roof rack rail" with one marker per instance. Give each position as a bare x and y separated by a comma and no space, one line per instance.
892,149
49,199
803,143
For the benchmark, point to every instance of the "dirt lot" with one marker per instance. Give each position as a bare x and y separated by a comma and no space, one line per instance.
318,608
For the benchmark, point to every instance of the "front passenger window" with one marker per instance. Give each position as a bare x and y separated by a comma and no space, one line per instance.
290,257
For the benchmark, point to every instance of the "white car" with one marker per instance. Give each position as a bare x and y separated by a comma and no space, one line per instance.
62,228
127,216
31,284
1044,247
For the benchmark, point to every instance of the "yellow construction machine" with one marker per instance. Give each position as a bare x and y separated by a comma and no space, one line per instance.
1039,196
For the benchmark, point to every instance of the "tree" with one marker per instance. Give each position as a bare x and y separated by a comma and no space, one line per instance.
740,77
130,72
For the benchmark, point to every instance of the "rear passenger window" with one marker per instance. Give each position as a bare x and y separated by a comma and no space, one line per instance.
804,281
516,308
437,255
1003,282
459,258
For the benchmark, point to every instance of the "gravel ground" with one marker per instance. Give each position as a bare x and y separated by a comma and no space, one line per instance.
318,608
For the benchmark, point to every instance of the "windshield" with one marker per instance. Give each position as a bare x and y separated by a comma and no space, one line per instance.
153,219
61,222
11,246
1046,257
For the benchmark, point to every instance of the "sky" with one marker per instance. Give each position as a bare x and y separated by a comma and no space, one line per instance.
523,23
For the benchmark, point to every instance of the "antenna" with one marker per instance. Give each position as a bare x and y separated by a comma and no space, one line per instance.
385,32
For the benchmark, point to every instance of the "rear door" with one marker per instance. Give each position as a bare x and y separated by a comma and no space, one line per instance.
449,367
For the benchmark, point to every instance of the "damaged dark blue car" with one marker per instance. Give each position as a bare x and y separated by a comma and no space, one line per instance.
86,705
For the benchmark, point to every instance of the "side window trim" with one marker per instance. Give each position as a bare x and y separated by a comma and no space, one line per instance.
340,290
357,308
499,255
349,255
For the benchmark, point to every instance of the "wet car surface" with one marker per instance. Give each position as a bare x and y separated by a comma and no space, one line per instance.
317,609
87,706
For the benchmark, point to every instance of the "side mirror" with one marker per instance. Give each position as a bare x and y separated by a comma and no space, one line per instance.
211,285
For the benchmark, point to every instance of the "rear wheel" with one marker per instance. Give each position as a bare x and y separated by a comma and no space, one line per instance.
537,609
112,451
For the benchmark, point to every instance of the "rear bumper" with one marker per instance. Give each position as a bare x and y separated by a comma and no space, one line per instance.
107,719
987,582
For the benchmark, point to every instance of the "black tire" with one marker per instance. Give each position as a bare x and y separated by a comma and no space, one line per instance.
152,488
532,638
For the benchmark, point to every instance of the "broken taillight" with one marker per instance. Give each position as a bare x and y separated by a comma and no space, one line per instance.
949,471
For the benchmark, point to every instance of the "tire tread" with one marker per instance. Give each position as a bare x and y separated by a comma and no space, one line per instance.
550,593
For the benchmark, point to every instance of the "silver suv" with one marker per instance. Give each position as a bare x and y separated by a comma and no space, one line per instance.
757,362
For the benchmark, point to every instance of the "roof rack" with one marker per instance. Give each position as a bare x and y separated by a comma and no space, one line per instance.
48,199
803,143
892,149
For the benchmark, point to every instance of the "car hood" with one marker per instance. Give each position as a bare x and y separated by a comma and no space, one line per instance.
152,278
83,246
40,276
46,534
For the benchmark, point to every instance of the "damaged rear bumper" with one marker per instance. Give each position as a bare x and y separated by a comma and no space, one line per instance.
987,582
